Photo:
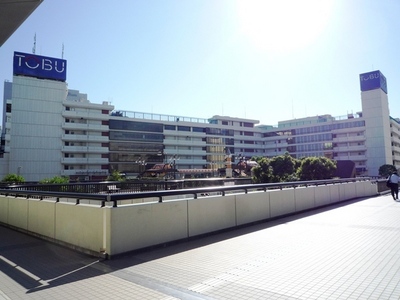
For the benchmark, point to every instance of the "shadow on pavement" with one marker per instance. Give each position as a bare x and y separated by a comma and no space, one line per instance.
37,264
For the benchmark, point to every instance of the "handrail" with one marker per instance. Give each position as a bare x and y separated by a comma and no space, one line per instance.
103,198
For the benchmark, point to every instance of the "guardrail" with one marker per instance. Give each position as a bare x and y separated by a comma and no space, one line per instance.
129,186
103,197
107,224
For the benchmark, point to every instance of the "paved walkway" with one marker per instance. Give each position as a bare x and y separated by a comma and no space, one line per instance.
350,251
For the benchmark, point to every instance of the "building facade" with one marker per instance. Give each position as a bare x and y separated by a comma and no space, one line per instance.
49,130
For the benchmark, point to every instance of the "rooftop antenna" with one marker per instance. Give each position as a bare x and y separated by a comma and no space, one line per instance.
62,51
34,44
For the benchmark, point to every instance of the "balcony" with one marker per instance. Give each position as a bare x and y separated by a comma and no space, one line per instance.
357,138
84,138
350,148
84,149
86,127
186,152
188,142
84,161
70,114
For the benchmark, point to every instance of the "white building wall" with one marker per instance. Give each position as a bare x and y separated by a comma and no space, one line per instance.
375,108
83,141
35,146
395,137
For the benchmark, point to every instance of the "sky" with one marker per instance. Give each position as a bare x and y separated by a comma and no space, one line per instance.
257,59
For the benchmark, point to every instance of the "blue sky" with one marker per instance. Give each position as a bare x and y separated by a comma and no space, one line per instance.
264,60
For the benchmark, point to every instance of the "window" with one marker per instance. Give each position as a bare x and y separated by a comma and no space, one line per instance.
183,128
135,126
197,129
170,127
135,136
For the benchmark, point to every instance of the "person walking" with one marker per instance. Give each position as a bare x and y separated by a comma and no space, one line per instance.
394,185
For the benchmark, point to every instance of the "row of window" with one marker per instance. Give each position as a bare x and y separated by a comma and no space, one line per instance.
311,147
135,126
315,129
329,127
136,136
312,138
136,147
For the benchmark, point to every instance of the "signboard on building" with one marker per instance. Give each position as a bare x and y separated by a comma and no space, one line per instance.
40,66
372,81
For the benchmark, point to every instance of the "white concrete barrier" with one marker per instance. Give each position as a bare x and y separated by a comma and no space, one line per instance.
304,198
211,214
252,209
282,202
42,217
125,228
143,225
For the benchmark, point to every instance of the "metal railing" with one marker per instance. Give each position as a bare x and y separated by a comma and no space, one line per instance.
104,197
132,186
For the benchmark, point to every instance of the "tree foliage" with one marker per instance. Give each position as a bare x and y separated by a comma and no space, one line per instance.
386,170
13,178
55,179
316,168
284,168
263,172
115,176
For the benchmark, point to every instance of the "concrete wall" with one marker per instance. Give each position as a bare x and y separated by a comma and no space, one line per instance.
116,230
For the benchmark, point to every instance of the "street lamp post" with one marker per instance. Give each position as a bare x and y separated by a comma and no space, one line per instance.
174,158
141,162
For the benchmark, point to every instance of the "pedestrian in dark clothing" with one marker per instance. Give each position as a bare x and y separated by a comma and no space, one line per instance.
394,185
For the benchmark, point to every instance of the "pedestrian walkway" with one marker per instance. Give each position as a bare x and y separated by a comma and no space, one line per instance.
347,251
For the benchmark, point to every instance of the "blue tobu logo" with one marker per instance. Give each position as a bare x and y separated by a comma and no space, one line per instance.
40,66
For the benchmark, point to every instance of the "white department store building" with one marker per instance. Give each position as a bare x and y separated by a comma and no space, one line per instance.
49,130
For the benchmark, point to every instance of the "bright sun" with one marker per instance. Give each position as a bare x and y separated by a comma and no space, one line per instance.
283,25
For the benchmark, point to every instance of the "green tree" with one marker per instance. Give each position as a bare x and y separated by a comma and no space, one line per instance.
386,170
316,168
284,167
55,179
115,176
263,173
13,178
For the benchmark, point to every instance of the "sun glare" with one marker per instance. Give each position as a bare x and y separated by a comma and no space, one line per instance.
283,25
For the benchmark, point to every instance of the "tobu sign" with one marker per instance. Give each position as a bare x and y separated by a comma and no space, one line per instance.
372,81
40,66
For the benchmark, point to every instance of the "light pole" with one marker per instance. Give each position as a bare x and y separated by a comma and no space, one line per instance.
141,162
228,160
174,158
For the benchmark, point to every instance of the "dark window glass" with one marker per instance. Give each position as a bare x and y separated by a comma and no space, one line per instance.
198,129
183,128
170,127
135,126
136,136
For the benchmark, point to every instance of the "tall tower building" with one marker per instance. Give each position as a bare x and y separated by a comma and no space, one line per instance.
375,111
49,130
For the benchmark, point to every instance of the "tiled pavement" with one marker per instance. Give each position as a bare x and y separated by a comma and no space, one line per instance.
349,251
